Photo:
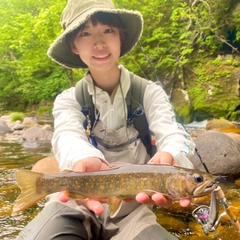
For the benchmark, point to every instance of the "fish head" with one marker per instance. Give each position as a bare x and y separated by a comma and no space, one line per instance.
190,183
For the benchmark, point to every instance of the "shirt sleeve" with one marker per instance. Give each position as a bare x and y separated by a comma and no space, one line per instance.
69,141
170,135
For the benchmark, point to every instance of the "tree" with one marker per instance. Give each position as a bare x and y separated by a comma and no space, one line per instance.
177,35
27,31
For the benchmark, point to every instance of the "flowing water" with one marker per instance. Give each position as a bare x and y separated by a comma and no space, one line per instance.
14,155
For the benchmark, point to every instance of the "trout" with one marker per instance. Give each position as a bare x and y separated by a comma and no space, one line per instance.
114,185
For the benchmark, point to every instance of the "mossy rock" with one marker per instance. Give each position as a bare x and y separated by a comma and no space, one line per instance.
218,123
214,89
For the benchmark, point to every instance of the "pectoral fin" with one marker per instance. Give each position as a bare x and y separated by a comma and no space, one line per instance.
148,192
114,204
151,192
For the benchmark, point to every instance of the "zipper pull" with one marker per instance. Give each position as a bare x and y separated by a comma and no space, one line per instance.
88,128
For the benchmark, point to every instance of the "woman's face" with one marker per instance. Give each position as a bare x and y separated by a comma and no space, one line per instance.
98,45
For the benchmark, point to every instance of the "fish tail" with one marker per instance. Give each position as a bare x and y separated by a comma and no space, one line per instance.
27,182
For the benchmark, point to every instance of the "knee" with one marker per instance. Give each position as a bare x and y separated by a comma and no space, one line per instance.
56,221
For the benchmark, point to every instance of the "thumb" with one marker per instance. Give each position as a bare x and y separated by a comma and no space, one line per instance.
63,196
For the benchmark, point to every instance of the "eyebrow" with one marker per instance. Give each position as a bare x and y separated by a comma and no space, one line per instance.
85,26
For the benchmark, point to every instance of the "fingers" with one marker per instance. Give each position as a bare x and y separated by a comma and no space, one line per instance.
160,200
92,205
185,202
63,196
89,164
157,198
144,198
162,158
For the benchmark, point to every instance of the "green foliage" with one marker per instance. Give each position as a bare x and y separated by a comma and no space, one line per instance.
177,34
17,116
198,96
44,110
26,72
175,31
214,78
184,114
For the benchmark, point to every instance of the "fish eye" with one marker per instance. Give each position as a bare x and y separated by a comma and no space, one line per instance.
197,178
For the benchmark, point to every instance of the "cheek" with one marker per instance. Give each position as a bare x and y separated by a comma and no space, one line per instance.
118,45
73,48
120,42
81,51
79,45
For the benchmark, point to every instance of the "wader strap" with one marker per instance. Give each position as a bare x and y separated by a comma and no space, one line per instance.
135,97
85,100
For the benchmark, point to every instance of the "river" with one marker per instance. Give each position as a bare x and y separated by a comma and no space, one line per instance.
14,155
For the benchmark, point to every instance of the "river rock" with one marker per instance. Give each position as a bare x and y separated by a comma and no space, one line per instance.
218,123
4,129
219,151
47,127
5,118
37,133
2,122
29,123
14,136
18,126
47,165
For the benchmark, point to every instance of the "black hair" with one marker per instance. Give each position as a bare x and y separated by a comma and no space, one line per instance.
111,19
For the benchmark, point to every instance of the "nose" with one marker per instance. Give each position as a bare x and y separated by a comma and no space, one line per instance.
99,42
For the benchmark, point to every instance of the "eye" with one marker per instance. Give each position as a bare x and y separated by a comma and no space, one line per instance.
108,30
197,178
84,34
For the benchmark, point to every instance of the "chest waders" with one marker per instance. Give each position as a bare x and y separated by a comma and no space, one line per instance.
135,111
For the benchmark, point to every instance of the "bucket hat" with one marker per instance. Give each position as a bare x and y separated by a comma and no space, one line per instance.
76,13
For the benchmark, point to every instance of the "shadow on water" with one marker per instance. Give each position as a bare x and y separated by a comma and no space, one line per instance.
176,220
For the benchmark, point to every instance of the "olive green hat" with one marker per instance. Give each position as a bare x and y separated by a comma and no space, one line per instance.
78,12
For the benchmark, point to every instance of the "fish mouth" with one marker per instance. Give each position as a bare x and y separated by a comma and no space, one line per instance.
204,189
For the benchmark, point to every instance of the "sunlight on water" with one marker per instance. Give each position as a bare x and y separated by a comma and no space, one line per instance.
14,156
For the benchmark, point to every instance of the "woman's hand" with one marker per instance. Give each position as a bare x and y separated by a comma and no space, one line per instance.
90,164
158,198
163,158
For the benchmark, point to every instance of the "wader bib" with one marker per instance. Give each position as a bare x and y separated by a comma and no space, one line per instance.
124,144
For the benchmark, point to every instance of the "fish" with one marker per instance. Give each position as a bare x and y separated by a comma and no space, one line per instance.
114,185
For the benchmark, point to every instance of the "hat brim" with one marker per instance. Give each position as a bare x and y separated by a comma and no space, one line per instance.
60,50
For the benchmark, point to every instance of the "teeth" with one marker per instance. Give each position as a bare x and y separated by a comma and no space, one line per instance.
103,56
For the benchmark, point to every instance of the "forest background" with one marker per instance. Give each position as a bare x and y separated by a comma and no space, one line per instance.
191,46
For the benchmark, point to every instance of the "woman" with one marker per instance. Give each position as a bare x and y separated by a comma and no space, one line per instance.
95,36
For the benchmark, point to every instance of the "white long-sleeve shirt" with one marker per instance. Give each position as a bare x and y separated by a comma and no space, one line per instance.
70,142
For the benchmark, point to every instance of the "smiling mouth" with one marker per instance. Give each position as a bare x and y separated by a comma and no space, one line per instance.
102,56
